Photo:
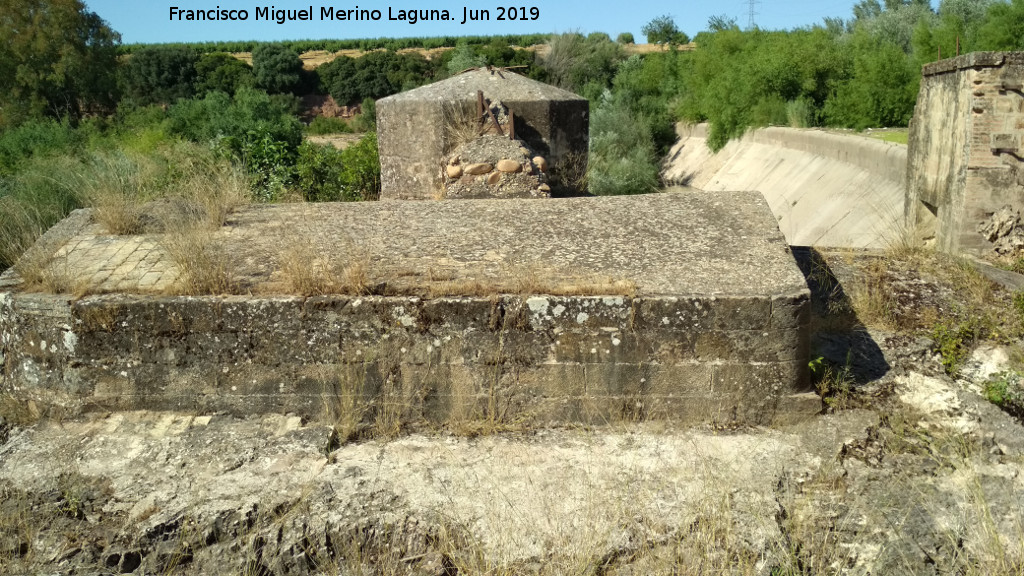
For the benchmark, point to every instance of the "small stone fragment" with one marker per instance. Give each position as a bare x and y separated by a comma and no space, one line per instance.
454,171
494,178
540,163
544,188
509,166
481,168
524,150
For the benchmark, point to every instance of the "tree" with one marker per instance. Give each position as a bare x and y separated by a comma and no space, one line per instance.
56,59
464,58
663,30
222,71
160,74
277,69
721,22
625,38
1003,27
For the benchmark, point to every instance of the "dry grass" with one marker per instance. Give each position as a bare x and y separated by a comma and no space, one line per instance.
459,126
116,186
43,273
20,229
308,272
19,411
870,295
20,526
204,268
571,172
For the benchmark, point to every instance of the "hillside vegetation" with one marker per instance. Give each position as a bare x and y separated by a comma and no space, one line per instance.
75,103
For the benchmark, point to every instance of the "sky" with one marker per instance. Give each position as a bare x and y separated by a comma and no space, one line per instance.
149,21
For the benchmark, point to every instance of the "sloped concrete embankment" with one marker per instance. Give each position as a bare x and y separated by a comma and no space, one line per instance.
829,190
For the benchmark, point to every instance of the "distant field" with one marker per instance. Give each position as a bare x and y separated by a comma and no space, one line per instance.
314,58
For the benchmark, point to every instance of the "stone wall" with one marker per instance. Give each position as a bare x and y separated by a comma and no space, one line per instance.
518,359
966,149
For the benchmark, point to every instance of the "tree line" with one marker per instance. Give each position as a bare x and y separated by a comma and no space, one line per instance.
69,91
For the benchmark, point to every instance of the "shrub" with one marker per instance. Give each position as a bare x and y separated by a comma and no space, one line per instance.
463,57
622,154
219,117
223,72
573,61
318,173
35,138
277,69
625,38
326,174
324,125
954,342
160,75
1006,390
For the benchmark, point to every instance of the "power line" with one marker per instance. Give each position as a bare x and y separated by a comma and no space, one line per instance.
752,11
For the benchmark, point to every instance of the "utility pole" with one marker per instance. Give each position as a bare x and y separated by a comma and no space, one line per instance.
752,5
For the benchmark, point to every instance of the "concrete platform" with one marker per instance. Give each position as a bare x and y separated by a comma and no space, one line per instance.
687,307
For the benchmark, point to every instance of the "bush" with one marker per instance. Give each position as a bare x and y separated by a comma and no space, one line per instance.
625,38
573,62
463,58
222,72
622,154
326,174
277,69
1006,390
375,75
219,117
324,125
35,138
160,75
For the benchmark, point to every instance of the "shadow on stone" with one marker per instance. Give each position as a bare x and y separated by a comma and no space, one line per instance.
837,334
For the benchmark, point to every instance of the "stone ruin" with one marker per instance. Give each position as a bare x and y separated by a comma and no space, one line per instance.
965,156
485,133
687,307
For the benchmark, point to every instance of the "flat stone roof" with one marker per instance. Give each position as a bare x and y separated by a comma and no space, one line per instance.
699,243
496,84
666,244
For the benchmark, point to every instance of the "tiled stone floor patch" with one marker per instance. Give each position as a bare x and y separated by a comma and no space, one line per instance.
117,263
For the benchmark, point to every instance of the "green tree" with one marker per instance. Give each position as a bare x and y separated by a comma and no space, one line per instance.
581,64
1003,27
881,90
625,38
277,69
160,74
663,30
222,71
56,58
463,57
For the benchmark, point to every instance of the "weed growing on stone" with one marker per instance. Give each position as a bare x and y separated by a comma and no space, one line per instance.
203,266
834,383
1006,390
953,342
43,273
870,295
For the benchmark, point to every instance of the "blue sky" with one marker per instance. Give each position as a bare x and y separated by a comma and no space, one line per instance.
148,21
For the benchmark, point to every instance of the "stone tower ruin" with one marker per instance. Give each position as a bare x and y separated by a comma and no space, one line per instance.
444,140
965,159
